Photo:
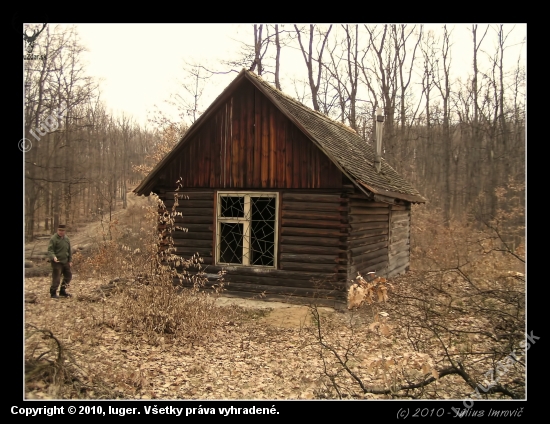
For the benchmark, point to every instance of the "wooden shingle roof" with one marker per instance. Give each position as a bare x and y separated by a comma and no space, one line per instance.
340,143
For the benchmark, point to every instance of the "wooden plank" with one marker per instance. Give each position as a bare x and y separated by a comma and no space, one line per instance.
193,235
397,239
397,271
228,148
356,235
305,159
192,204
368,240
198,227
295,139
197,211
367,218
321,198
399,234
362,226
320,250
379,266
205,219
240,137
267,281
296,266
397,256
312,206
400,262
257,168
193,243
214,155
311,259
400,208
193,196
248,113
207,260
365,257
289,156
283,290
206,151
333,216
265,141
400,224
312,241
281,150
398,215
182,247
315,232
399,247
369,248
312,223
215,134
273,157
400,221
237,151
357,210
367,203
276,273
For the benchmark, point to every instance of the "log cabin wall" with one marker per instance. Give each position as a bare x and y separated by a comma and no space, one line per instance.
313,234
399,239
312,257
197,212
368,236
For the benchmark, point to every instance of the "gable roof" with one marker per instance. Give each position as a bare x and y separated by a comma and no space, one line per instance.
341,144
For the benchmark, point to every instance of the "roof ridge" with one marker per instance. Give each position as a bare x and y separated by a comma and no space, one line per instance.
298,103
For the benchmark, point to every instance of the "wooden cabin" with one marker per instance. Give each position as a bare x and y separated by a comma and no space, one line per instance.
283,198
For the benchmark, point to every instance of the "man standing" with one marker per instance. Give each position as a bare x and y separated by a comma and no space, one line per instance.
59,252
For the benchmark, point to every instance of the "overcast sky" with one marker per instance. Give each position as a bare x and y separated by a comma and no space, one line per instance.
139,64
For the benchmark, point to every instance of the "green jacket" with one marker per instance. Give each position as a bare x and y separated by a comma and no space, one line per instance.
60,248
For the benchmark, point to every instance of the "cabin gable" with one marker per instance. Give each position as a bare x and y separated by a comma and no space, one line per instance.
248,143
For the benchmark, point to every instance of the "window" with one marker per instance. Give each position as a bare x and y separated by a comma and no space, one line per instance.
246,229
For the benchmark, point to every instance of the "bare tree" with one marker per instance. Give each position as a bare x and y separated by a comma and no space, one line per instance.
310,58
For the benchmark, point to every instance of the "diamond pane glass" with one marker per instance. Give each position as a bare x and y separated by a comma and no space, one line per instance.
262,243
232,207
231,243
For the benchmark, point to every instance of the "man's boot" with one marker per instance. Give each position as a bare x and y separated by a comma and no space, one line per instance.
63,293
53,294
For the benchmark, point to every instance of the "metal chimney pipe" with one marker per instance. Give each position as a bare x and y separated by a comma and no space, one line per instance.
379,133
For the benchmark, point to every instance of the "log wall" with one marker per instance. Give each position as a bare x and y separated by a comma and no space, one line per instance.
197,216
368,236
324,240
399,240
312,258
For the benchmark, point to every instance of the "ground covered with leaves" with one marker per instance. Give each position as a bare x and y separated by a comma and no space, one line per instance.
244,355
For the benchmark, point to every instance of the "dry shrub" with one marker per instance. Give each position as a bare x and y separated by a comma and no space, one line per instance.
163,296
163,310
464,300
358,350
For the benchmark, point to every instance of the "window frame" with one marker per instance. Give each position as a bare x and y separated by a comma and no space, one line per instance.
246,226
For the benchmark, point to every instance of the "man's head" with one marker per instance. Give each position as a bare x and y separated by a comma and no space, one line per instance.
61,230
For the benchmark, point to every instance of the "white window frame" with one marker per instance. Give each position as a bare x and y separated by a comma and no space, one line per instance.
246,225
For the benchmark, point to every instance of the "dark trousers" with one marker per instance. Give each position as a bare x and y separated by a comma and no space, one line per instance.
57,269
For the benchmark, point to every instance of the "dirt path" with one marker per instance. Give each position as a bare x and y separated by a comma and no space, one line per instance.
86,233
